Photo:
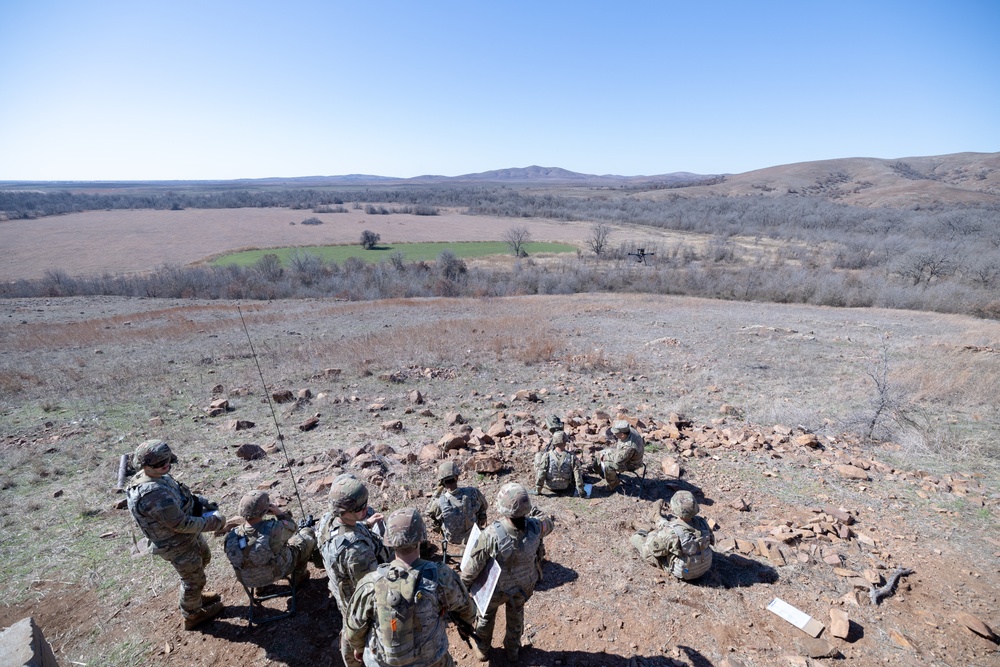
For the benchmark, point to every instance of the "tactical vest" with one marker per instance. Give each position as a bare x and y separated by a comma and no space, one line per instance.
254,557
160,491
456,516
559,472
408,611
519,559
696,551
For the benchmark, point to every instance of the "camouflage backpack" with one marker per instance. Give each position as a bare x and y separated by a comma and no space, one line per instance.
696,551
407,610
252,556
560,470
456,515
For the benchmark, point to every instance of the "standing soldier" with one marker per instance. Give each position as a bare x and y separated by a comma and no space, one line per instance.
453,510
681,546
264,551
626,456
350,549
171,517
515,541
398,613
559,469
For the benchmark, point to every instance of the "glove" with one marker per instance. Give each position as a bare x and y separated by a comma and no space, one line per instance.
307,522
208,506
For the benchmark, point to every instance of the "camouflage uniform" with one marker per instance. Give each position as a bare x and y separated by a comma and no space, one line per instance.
398,614
165,511
453,512
349,553
519,551
268,550
682,545
625,456
557,468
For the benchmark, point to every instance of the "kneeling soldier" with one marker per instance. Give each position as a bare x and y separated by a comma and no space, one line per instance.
558,469
681,546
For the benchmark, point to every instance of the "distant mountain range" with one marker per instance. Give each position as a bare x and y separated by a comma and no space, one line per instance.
959,178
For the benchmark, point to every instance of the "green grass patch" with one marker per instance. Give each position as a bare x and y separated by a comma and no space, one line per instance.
412,252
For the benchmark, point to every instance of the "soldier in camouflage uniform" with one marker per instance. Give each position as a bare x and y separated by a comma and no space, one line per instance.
453,510
681,546
398,613
350,549
515,541
558,468
173,520
265,550
625,456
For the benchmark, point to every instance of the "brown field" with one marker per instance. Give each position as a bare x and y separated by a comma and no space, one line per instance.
95,242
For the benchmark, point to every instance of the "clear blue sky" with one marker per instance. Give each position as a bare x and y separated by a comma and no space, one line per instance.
144,89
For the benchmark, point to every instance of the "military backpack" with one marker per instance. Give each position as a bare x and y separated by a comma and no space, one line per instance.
456,515
408,611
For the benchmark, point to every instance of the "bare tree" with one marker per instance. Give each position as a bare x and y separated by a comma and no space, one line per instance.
516,238
600,234
370,239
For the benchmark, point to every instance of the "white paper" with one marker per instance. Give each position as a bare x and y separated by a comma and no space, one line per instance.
469,543
794,616
482,588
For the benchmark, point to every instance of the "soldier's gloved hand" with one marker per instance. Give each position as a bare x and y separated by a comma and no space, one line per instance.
208,505
307,522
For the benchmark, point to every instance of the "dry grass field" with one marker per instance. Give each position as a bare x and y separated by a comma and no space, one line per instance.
95,242
82,381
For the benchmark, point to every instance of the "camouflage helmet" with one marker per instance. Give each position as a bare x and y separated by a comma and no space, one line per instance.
404,528
513,500
553,423
254,504
558,438
153,453
448,470
347,494
684,505
621,426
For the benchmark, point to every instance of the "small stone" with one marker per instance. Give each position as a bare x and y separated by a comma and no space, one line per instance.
840,624
976,626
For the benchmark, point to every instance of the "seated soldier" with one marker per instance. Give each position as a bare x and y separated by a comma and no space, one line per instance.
263,551
558,469
681,546
453,510
625,456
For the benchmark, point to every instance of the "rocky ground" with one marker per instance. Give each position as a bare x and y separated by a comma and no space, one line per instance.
747,406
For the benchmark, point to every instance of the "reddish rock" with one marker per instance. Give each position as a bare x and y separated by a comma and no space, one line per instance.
283,396
430,453
250,452
851,472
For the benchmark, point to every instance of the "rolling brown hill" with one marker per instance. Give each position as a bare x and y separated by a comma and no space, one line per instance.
960,178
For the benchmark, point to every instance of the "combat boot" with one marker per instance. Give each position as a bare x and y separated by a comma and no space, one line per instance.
196,618
480,649
512,652
209,598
